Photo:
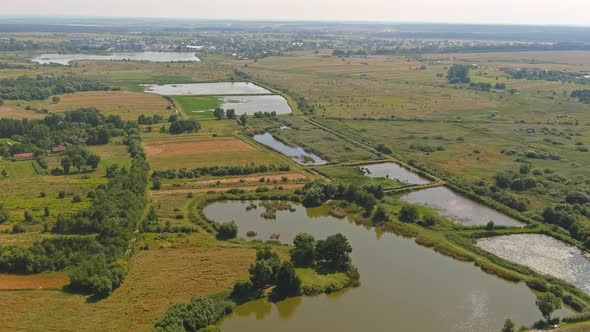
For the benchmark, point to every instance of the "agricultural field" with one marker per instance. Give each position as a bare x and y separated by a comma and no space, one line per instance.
192,151
197,107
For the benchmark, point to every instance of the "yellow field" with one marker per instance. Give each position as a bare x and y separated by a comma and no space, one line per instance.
191,151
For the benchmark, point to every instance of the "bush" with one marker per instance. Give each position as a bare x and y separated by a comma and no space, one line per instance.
227,230
19,228
380,215
192,316
243,291
76,199
408,213
288,282
537,284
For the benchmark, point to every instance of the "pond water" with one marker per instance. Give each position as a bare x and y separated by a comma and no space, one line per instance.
253,104
392,171
64,59
404,287
294,152
458,208
218,88
543,254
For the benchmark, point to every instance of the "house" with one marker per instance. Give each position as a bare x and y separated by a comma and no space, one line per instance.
58,148
23,156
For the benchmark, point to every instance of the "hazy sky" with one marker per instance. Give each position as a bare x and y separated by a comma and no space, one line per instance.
565,12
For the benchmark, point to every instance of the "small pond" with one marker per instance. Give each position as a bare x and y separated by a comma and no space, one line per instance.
294,152
404,287
392,171
64,59
543,254
218,88
458,208
253,104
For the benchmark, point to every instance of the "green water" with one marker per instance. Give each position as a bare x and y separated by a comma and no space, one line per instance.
404,287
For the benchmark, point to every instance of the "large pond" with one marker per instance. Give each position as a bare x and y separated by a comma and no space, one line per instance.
296,153
392,171
64,59
218,88
253,104
404,287
458,208
543,254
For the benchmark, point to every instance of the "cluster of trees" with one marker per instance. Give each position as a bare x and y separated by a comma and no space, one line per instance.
582,95
265,114
149,120
331,254
218,171
184,126
546,75
426,147
317,193
349,53
78,158
196,315
73,127
100,234
516,181
42,87
267,271
480,86
220,113
459,74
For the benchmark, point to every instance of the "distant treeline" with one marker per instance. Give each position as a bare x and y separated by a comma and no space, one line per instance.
42,87
217,171
582,95
546,75
481,48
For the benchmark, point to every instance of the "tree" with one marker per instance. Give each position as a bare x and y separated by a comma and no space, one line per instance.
261,274
78,161
1,102
288,282
380,215
408,213
219,113
547,304
303,254
4,173
508,326
458,74
334,251
231,113
46,211
243,119
55,99
192,316
66,164
4,215
93,160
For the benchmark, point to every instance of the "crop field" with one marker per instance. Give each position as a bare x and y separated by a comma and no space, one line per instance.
128,105
262,179
189,151
15,110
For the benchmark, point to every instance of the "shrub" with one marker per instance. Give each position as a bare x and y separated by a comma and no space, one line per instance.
227,230
192,316
408,213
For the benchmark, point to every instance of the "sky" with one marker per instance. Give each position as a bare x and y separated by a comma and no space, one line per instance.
553,12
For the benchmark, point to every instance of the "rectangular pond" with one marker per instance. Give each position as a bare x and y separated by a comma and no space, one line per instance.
404,287
65,59
206,89
392,171
252,104
543,254
458,208
294,152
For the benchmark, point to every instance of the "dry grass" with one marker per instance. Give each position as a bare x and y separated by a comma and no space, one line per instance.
33,281
192,151
11,110
157,279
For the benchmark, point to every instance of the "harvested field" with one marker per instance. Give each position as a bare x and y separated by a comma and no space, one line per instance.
194,151
157,279
33,281
290,177
129,105
15,112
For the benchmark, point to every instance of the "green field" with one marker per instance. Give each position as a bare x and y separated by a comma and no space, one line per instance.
197,107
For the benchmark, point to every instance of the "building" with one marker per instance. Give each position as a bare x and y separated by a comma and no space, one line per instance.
23,156
59,148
